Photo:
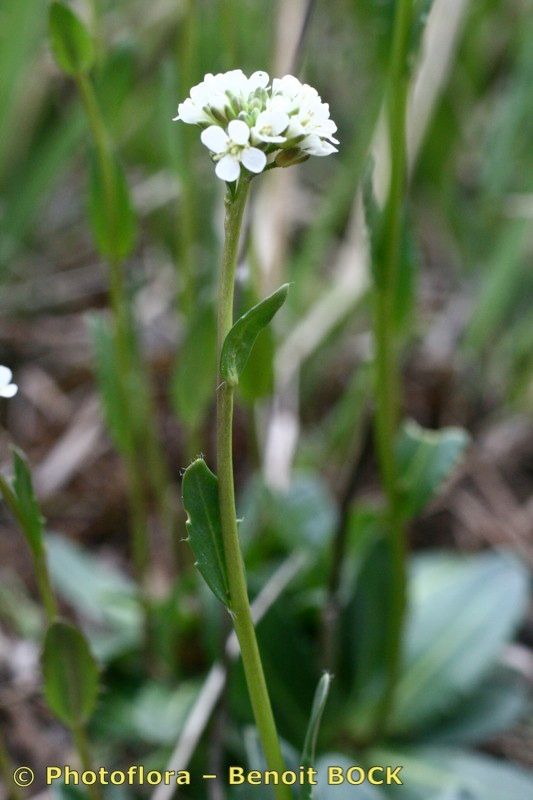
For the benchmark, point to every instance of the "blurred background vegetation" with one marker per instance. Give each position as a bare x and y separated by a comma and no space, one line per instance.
305,465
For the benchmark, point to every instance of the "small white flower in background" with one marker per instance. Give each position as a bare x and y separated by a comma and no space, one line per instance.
7,389
248,122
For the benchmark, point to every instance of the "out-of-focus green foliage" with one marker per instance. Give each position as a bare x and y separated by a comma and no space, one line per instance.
465,256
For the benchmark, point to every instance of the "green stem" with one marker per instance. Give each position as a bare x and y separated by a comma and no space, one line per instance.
45,587
83,749
240,604
388,382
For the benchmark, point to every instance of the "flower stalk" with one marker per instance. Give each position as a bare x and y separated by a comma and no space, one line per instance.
240,605
387,376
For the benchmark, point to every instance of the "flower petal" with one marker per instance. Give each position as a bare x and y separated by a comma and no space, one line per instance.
258,80
228,169
215,139
238,131
9,391
5,375
254,159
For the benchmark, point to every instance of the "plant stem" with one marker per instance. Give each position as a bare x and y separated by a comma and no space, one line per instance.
388,388
81,743
240,604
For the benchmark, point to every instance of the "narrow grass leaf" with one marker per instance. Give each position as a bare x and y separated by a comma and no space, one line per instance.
70,674
200,499
70,40
241,338
309,748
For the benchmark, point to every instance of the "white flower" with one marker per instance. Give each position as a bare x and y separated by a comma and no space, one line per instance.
233,148
7,389
269,125
248,122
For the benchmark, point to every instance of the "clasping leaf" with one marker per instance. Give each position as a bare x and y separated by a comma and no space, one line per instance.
200,499
241,338
70,674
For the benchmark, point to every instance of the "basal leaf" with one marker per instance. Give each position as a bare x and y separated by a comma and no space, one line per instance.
110,209
442,773
70,40
463,611
200,499
241,338
70,674
425,460
309,748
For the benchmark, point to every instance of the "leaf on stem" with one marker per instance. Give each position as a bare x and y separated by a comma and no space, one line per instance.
29,511
20,498
241,338
309,748
70,674
110,209
425,459
200,499
70,41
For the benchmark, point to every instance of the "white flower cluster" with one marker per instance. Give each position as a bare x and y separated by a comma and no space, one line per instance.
253,122
7,389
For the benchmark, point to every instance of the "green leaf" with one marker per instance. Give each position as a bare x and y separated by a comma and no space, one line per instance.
29,511
493,708
99,593
364,651
425,459
256,381
200,499
109,385
70,40
195,373
302,516
159,712
110,209
241,338
70,674
21,501
309,748
435,773
463,611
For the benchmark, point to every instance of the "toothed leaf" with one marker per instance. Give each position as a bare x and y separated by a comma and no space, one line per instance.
200,499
